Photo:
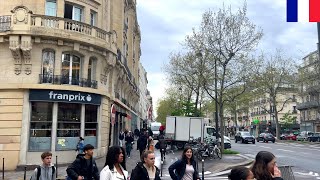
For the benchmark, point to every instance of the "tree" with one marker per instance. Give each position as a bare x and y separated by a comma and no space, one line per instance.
277,77
225,40
288,120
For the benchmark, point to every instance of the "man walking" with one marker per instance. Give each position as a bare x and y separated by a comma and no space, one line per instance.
142,142
46,171
84,167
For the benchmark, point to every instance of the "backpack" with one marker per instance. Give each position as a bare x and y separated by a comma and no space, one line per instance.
39,172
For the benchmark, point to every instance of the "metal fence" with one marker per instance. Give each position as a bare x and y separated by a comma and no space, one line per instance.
286,172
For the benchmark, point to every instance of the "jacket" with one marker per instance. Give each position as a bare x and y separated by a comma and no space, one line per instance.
141,173
177,169
277,178
45,174
107,174
162,142
142,142
79,168
129,139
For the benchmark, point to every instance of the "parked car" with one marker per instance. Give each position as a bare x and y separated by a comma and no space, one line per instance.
283,136
314,137
291,137
266,137
244,137
303,136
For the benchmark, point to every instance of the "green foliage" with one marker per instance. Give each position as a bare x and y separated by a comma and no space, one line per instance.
288,120
228,151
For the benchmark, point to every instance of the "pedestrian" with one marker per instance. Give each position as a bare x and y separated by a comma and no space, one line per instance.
45,171
161,129
115,166
162,146
142,142
137,133
146,170
185,168
80,146
265,167
240,173
84,167
121,138
129,141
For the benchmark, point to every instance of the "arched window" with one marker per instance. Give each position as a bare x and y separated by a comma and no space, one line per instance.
47,71
71,69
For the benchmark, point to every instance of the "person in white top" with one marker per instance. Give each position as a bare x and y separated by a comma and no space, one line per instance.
115,166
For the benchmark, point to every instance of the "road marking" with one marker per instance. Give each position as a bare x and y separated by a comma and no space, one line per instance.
285,150
265,147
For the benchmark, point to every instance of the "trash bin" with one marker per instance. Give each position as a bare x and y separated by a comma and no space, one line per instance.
286,172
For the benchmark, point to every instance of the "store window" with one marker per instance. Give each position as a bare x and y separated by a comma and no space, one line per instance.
48,57
69,125
40,126
91,124
71,69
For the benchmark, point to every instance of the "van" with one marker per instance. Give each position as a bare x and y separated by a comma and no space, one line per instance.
303,136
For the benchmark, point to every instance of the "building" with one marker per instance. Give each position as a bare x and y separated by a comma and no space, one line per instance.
69,68
144,104
310,90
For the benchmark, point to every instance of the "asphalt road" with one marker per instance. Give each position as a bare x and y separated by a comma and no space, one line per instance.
305,158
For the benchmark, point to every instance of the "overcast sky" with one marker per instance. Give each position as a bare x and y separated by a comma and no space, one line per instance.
165,23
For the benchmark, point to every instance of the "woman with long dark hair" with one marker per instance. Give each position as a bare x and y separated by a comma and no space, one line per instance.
115,166
185,168
265,167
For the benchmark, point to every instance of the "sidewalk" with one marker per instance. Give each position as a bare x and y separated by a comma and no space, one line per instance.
211,166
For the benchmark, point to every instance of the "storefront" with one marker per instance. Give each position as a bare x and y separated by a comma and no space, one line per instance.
56,119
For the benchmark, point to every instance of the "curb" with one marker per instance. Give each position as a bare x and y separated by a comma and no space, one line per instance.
227,169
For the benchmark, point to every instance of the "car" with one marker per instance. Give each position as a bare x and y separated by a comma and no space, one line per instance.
244,137
291,137
283,136
266,137
303,136
314,137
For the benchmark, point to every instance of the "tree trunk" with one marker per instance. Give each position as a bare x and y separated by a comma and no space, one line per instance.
276,117
221,126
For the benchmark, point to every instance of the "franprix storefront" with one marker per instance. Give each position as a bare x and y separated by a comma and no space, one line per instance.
56,120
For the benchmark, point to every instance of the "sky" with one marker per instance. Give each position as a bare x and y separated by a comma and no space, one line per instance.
164,24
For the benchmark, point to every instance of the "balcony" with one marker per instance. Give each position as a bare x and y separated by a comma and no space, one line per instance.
5,23
63,80
308,105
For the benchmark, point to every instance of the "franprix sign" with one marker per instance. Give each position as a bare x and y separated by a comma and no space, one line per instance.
64,96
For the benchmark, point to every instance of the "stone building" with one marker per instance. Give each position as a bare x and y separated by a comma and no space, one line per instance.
310,89
68,68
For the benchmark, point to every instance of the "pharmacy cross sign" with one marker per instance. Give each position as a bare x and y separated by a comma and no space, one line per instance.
64,96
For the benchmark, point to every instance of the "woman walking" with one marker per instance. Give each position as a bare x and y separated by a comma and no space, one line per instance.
129,141
265,167
185,168
115,166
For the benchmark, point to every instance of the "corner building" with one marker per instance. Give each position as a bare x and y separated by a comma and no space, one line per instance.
67,69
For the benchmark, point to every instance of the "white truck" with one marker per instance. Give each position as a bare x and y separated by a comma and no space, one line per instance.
180,129
155,129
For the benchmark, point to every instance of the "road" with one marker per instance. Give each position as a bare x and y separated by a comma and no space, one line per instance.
305,158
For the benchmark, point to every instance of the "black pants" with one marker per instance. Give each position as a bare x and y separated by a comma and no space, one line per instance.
141,151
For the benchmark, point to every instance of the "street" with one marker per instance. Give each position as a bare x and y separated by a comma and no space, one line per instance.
304,158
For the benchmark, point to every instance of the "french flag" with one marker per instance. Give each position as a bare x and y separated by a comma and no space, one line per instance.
303,10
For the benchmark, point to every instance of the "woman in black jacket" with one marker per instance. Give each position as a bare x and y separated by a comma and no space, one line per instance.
146,169
265,167
185,168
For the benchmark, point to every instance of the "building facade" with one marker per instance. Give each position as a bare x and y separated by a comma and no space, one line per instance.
310,90
69,68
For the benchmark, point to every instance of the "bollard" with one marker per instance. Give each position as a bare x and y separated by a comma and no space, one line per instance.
202,168
56,166
3,168
25,173
161,168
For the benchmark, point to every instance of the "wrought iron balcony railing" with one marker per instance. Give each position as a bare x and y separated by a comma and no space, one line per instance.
60,80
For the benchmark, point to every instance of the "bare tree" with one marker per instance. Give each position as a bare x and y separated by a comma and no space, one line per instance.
277,76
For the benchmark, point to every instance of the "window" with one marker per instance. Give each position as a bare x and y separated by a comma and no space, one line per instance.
71,69
48,57
51,8
40,126
73,12
92,69
69,124
90,130
93,18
